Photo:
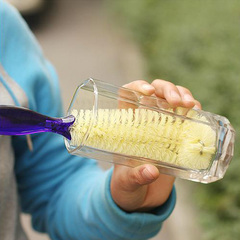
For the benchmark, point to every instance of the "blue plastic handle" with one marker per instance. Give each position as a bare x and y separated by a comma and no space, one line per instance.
22,121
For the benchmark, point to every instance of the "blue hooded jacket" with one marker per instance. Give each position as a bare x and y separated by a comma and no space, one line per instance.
68,197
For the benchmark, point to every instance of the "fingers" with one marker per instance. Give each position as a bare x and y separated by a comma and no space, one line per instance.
187,97
141,188
168,91
175,95
142,175
141,86
133,178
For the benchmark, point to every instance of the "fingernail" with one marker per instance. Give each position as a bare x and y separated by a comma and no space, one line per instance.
147,87
147,175
188,98
174,95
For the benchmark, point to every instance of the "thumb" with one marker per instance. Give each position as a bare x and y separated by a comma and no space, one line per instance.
127,185
141,175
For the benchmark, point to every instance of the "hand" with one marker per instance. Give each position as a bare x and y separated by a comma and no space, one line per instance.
143,188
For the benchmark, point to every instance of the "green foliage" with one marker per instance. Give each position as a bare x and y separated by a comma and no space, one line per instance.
196,44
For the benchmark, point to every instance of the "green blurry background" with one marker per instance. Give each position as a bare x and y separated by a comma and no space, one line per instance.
196,44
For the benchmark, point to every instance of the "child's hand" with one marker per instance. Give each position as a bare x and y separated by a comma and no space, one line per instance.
143,188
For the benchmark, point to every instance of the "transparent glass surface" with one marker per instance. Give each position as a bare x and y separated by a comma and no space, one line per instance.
121,126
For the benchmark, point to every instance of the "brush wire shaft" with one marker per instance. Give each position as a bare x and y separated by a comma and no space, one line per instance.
147,134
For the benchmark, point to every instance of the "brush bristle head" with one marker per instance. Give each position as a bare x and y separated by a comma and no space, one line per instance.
147,134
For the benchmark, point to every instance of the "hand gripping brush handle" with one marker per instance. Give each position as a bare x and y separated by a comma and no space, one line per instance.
22,121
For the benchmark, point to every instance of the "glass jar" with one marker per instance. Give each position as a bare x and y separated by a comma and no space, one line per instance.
122,126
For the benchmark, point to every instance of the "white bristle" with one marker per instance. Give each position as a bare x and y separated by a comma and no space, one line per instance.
148,134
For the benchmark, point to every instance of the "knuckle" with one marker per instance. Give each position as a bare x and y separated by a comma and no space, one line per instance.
136,84
159,81
183,89
155,81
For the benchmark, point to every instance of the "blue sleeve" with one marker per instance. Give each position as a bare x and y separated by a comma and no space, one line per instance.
68,197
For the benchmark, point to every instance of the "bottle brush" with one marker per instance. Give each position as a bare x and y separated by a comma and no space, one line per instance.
122,126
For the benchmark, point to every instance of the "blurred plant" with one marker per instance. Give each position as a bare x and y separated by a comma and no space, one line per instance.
196,44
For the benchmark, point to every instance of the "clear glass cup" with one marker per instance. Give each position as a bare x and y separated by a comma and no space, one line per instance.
122,126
